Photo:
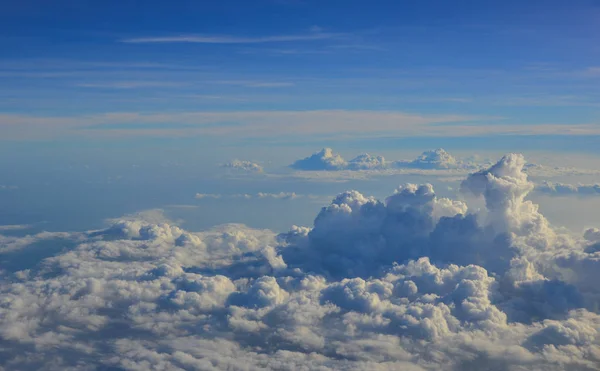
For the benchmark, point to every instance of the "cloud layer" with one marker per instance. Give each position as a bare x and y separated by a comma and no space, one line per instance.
562,189
414,282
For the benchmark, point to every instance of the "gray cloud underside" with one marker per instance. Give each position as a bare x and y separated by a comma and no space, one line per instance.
414,282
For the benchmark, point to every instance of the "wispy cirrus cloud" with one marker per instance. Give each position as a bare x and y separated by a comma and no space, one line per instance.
335,123
259,195
250,124
131,84
229,39
256,84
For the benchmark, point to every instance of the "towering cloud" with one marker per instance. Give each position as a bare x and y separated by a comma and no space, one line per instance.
414,282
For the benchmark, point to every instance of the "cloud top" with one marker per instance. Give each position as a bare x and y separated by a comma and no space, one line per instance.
412,282
325,159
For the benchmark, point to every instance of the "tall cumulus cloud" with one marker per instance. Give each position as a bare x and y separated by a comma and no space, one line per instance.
412,282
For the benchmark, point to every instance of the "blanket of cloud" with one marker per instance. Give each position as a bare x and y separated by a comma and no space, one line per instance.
414,282
326,159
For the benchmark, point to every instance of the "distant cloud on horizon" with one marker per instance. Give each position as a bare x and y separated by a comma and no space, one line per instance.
230,39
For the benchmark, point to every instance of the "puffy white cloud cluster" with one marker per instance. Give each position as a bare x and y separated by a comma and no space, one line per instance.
248,166
562,189
415,282
326,159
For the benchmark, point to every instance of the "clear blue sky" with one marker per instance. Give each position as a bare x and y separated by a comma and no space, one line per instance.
481,63
90,90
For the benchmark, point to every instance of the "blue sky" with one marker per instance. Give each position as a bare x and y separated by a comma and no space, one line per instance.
478,63
115,85
299,184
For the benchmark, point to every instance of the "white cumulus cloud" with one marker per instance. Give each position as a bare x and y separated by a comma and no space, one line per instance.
413,282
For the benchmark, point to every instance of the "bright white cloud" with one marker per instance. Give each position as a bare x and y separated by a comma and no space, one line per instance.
325,159
414,282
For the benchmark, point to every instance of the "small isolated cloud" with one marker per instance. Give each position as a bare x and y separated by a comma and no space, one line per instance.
280,195
412,282
248,166
8,187
201,196
325,159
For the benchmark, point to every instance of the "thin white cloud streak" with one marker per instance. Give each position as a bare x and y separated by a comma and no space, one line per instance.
259,195
228,39
14,227
257,84
252,123
338,123
131,84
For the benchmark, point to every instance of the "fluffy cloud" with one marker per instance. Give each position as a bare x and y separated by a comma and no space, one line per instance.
414,282
244,166
325,159
367,162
